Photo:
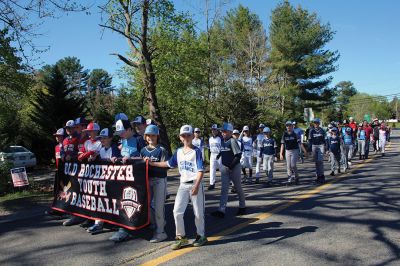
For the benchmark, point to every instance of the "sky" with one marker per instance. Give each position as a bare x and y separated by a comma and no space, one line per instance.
367,38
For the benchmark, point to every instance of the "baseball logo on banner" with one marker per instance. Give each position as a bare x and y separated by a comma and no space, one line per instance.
19,177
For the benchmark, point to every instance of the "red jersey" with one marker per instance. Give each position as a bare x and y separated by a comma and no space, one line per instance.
70,146
368,132
59,152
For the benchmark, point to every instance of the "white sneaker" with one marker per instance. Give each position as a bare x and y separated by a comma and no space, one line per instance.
158,237
120,235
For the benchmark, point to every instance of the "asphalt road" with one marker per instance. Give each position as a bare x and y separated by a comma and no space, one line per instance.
352,220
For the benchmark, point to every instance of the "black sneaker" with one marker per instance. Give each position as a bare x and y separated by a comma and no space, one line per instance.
241,211
233,190
322,179
86,224
332,173
296,181
218,214
211,187
257,180
168,196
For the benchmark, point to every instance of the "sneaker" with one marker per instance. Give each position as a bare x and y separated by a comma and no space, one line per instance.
200,241
180,242
339,171
167,197
244,179
211,187
296,181
290,181
96,228
257,180
332,173
322,179
74,220
158,237
241,211
218,214
120,235
87,223
233,190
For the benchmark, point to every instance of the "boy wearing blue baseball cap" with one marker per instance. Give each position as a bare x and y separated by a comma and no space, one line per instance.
154,152
317,140
268,152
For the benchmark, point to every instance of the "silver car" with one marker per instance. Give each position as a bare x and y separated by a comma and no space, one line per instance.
19,156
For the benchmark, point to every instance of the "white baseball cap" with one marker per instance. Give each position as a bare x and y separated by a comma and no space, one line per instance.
70,123
214,126
106,133
245,128
60,132
261,125
121,126
186,129
235,131
197,129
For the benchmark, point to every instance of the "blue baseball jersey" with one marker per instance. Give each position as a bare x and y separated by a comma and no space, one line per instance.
268,146
348,139
189,163
317,136
130,147
157,154
361,134
333,144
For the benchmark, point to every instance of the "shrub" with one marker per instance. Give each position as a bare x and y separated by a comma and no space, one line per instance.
5,176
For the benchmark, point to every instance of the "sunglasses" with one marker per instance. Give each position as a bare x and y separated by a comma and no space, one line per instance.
186,135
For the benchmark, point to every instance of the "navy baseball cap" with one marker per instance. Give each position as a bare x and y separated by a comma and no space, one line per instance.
139,120
81,121
120,116
317,120
214,126
261,126
106,133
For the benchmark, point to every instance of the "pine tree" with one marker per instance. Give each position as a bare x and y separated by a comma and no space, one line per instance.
300,60
53,105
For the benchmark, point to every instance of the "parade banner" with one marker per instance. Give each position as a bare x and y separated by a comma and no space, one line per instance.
116,194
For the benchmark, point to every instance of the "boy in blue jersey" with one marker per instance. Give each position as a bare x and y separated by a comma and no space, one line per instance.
347,147
129,143
190,164
316,139
129,150
361,141
156,153
268,151
333,146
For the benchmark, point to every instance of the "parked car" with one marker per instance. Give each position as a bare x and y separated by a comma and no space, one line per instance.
19,156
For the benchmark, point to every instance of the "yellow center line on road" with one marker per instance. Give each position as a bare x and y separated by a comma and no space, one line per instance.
252,220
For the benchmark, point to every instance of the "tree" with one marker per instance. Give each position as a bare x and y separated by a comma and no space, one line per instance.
344,91
299,60
362,104
99,98
136,21
14,82
75,74
53,104
18,16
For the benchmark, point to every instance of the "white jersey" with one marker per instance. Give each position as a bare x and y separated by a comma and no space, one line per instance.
198,143
247,143
382,134
92,145
189,164
214,144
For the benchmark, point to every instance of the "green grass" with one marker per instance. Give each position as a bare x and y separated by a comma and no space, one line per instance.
24,194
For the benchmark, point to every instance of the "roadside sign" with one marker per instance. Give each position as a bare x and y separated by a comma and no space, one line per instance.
19,177
308,114
367,117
